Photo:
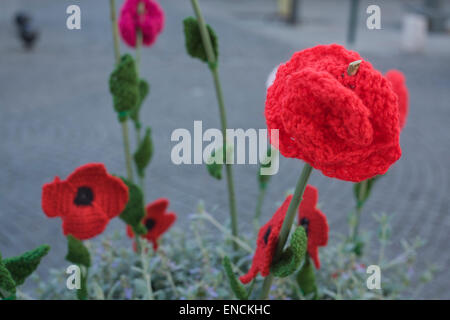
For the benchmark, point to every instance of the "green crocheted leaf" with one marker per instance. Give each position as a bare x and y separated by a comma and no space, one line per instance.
237,287
124,86
306,279
134,211
22,266
214,168
194,43
7,284
144,90
291,257
264,179
213,164
357,189
144,153
77,253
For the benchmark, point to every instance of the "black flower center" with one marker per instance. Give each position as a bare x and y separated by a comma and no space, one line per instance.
304,222
84,196
267,234
150,224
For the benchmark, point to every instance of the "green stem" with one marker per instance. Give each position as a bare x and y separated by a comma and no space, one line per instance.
287,224
126,142
126,147
258,210
115,30
146,272
358,209
212,61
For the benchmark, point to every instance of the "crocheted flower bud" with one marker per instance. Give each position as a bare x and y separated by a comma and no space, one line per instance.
156,221
345,125
124,86
150,22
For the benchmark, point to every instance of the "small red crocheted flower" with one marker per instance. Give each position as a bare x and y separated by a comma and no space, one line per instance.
266,244
85,201
150,22
345,125
157,221
398,82
314,222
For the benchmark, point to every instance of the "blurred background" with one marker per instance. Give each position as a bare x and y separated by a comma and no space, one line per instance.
56,111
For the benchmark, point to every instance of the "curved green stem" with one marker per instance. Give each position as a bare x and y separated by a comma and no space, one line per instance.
258,210
212,60
287,224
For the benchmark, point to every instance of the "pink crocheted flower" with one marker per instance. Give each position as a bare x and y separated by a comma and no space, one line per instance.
150,21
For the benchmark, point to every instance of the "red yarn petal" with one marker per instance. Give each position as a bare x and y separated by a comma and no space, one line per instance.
85,222
398,82
313,252
110,193
317,228
345,126
266,244
57,198
157,207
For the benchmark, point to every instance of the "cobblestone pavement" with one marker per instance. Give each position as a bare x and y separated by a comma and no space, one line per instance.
57,115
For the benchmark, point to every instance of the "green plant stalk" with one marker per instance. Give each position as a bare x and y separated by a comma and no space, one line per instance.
126,147
358,209
146,272
138,61
287,224
124,124
259,203
212,61
167,272
126,142
115,30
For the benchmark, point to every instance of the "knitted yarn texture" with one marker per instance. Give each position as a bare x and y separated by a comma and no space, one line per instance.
86,201
347,126
150,22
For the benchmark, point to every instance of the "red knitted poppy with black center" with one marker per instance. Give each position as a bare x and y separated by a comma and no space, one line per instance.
157,221
398,82
314,222
266,244
345,126
86,201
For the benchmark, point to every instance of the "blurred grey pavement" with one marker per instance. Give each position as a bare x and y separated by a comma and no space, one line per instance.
56,115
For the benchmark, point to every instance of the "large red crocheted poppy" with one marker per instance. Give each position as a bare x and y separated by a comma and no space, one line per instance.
346,126
157,221
150,22
314,222
398,82
266,244
86,201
